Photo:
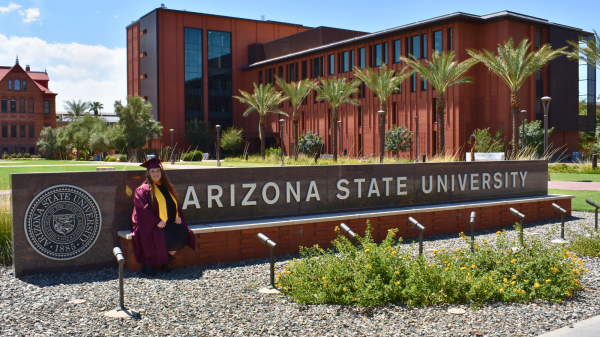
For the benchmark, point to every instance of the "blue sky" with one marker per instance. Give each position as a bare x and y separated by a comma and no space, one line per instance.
82,43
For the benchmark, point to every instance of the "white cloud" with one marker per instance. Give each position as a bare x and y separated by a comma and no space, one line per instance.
98,12
11,7
77,71
116,16
30,15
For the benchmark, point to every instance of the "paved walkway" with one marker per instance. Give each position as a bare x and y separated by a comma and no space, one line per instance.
574,185
588,328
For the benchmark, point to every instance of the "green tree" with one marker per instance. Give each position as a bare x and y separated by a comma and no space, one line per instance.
116,138
534,135
383,84
398,139
95,107
486,143
587,49
442,72
79,132
231,139
264,100
75,109
48,143
296,93
310,144
137,122
514,66
337,91
198,134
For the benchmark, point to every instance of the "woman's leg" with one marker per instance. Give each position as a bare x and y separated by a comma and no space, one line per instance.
172,252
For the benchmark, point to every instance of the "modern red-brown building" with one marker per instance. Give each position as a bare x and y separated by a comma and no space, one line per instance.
189,65
26,106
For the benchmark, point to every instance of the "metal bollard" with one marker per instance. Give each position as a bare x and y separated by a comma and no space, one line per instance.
472,232
521,217
119,255
264,239
594,161
563,212
591,203
348,231
422,229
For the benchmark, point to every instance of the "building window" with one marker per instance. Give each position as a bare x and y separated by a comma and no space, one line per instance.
22,105
4,105
371,56
22,131
361,58
315,94
378,55
260,77
292,72
316,67
359,115
413,79
437,41
4,150
194,79
270,75
9,84
424,46
449,38
434,108
17,85
331,64
304,70
322,65
31,131
46,107
385,53
13,131
22,150
397,51
144,32
143,76
394,113
280,71
351,60
144,54
346,62
30,105
13,149
5,132
414,47
13,105
31,150
423,85
220,78
24,85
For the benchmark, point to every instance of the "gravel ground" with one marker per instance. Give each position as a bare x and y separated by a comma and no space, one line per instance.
222,299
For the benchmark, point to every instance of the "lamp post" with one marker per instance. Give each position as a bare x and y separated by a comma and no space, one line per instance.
416,138
172,159
340,133
281,121
381,136
546,102
523,112
218,144
521,216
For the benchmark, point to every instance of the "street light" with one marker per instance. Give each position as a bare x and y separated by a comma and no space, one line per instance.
381,136
546,102
218,144
523,112
421,230
281,121
340,133
172,159
593,204
417,138
521,216
562,212
264,239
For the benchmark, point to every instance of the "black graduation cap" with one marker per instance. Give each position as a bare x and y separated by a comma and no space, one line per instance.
152,163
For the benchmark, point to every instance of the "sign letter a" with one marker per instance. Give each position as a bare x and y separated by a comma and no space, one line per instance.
191,193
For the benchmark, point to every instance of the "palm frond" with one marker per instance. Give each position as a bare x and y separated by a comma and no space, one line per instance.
589,53
442,71
337,91
384,83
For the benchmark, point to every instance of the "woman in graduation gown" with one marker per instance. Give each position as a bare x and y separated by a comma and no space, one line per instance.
159,228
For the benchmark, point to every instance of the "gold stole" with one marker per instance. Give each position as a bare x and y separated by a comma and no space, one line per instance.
162,205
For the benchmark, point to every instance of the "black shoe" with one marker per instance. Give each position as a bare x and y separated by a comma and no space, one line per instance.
148,270
165,268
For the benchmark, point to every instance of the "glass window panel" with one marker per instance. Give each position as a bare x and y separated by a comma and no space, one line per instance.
4,105
437,41
397,51
13,105
331,64
17,85
4,132
449,38
24,85
22,131
361,57
193,87
30,107
220,78
346,62
424,45
31,131
9,84
46,107
385,53
414,48
13,131
377,55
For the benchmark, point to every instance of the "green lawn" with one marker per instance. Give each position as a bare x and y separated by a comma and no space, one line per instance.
579,204
575,177
6,171
46,162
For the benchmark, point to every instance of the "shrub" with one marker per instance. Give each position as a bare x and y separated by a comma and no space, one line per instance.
5,156
534,135
310,143
195,155
26,155
369,274
231,139
586,245
122,158
485,143
5,238
398,139
273,152
111,159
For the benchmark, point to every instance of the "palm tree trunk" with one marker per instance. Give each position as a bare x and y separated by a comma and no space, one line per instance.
261,134
515,103
295,118
382,132
334,119
441,105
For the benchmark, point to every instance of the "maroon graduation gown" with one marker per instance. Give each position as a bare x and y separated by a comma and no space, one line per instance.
149,243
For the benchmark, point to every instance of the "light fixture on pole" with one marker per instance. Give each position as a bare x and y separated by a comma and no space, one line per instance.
595,205
270,289
416,138
562,212
421,230
523,112
172,159
348,231
382,135
340,133
472,232
546,102
521,216
281,122
218,149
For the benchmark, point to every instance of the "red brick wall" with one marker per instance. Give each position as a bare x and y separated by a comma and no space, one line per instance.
243,244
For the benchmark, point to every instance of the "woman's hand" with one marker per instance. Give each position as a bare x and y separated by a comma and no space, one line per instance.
178,221
161,224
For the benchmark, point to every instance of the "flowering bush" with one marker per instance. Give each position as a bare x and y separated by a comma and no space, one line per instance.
586,244
368,274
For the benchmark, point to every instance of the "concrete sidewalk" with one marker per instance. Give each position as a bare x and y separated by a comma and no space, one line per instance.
574,185
588,328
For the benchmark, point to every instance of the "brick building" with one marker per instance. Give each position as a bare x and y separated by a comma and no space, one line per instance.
188,65
26,106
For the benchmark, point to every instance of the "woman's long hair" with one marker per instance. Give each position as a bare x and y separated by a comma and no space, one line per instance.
164,180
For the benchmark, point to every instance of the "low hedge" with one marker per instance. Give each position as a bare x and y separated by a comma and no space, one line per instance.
195,155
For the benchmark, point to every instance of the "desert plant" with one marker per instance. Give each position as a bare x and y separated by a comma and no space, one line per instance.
514,66
273,152
5,238
111,159
123,158
383,84
310,144
588,245
398,139
485,142
231,139
442,72
534,136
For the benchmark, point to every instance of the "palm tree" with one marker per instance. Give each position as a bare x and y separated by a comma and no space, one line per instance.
76,109
590,53
264,100
383,85
337,91
296,93
442,72
514,66
95,107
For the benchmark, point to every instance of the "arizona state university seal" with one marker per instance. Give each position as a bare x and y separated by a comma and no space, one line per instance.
63,222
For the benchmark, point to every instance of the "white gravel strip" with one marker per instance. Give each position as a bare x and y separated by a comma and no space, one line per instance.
222,300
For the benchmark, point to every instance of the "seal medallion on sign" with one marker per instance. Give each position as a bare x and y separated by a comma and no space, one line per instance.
63,222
